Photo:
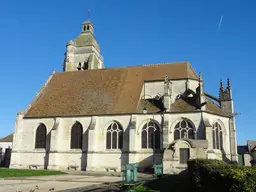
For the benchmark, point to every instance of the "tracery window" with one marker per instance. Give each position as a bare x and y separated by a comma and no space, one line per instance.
40,137
76,136
217,136
183,129
150,136
114,136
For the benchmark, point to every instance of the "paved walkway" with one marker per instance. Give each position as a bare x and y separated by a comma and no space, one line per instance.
58,183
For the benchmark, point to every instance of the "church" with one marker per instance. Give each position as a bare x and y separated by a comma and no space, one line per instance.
89,117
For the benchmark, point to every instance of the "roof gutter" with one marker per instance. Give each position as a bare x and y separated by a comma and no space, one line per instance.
122,114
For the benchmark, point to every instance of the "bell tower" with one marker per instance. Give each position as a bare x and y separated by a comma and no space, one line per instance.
87,27
84,52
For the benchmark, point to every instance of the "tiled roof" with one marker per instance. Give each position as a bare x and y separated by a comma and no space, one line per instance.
151,105
7,138
188,104
212,107
101,91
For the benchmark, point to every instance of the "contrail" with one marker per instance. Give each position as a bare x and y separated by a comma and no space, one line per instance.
220,23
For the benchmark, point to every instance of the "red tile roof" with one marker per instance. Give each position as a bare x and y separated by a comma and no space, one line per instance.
101,91
8,138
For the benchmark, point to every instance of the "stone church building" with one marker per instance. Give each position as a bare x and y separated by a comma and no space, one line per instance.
89,117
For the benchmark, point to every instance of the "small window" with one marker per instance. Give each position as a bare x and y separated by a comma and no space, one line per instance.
184,155
40,137
85,66
88,27
79,67
84,28
76,136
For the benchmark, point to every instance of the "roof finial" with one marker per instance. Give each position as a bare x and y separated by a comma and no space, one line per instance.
228,82
200,76
221,84
89,14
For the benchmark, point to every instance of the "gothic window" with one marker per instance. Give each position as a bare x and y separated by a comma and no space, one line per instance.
217,136
114,137
183,129
40,137
150,136
76,136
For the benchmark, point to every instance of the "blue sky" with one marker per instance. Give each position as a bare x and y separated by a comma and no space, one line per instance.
34,33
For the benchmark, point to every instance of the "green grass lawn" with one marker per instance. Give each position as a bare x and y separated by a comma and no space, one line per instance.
173,183
26,172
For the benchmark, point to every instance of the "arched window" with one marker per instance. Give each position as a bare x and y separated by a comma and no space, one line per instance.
79,67
183,129
85,66
150,136
114,136
217,136
76,136
40,137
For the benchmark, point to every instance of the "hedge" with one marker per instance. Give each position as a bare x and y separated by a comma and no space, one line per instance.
214,175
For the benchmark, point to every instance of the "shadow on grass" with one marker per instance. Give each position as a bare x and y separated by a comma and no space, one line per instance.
174,183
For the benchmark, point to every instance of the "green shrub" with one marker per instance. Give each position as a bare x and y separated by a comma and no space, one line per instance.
138,188
214,175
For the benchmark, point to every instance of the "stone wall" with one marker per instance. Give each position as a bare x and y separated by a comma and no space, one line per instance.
94,155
